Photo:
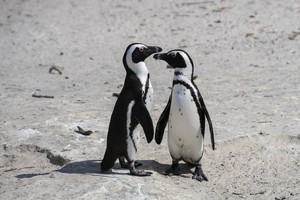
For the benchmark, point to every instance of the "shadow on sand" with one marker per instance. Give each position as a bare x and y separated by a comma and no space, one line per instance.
93,167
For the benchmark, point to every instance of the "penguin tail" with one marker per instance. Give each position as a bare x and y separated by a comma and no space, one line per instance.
108,161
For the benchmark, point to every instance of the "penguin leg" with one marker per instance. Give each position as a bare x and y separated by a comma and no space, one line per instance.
125,164
174,170
136,172
198,174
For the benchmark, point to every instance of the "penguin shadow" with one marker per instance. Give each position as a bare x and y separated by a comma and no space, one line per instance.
93,167
185,169
80,167
31,175
89,167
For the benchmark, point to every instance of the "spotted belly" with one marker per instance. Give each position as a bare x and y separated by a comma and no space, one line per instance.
148,97
184,132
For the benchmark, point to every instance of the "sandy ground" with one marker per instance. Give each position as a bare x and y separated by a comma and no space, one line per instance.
246,56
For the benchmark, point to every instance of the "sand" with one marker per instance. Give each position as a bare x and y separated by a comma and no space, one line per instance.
246,56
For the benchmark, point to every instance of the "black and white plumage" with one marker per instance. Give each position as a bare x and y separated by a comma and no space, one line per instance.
185,114
131,111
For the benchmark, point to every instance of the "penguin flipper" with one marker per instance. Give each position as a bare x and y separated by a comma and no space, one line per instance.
212,136
162,122
142,114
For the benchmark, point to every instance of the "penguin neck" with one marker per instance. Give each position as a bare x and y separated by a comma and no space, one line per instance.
141,71
182,73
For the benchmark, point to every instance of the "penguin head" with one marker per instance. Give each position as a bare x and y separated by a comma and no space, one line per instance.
135,55
179,60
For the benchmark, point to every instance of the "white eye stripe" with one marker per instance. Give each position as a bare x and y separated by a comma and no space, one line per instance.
172,54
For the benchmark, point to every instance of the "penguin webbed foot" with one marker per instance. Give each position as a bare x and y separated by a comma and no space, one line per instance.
126,165
198,174
135,172
174,170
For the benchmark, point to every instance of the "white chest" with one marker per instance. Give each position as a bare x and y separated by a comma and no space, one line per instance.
148,92
183,113
184,136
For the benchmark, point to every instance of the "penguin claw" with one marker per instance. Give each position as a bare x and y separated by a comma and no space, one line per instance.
135,172
200,178
199,175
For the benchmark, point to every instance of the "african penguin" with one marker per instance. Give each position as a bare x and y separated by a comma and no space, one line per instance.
185,114
131,111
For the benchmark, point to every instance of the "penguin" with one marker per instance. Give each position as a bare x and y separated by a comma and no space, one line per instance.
185,114
131,111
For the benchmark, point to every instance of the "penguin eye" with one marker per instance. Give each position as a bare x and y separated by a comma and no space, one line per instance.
141,49
173,55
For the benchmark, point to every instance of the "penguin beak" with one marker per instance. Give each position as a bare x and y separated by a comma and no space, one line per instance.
160,56
153,49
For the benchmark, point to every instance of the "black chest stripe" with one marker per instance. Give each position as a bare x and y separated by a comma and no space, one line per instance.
178,73
192,91
146,89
